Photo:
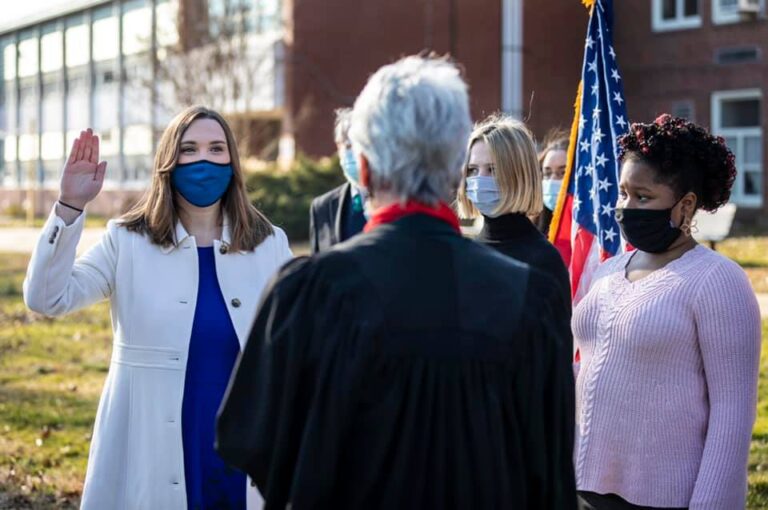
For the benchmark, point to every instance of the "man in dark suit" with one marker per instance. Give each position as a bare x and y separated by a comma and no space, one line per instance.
339,214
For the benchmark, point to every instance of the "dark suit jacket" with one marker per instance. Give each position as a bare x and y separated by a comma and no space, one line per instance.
327,216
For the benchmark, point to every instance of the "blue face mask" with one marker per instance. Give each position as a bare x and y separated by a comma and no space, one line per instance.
483,192
202,183
349,165
550,189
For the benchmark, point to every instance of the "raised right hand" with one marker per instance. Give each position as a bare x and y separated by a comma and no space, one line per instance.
83,174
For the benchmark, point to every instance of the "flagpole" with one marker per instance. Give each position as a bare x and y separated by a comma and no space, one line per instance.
570,158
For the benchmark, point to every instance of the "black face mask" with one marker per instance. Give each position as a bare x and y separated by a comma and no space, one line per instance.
648,230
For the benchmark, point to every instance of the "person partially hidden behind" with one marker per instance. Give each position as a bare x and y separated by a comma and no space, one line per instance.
409,367
339,214
552,160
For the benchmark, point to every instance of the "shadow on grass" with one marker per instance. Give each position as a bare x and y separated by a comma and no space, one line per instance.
16,499
751,264
44,437
758,495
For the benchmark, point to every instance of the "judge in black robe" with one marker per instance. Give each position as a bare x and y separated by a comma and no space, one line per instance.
408,367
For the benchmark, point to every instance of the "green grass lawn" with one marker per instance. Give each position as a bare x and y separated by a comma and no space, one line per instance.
752,254
51,373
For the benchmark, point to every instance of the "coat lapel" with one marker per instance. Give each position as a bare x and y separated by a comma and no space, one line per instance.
344,199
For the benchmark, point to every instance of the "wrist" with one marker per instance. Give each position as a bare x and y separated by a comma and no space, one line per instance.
75,203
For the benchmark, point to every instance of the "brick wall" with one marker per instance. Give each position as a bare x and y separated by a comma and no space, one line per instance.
553,49
661,68
337,44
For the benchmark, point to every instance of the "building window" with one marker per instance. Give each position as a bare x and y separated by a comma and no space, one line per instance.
684,109
105,42
77,102
28,62
675,14
137,27
737,55
52,124
736,117
138,89
733,11
52,53
76,38
166,31
105,95
7,52
268,15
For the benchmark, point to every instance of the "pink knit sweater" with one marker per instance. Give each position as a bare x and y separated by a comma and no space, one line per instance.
667,387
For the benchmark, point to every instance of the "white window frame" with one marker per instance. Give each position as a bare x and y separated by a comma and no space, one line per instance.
723,18
680,22
737,193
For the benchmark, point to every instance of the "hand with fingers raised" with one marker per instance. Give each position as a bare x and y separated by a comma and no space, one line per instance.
83,174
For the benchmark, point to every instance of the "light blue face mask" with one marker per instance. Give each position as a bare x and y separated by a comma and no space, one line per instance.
483,192
202,183
349,166
550,189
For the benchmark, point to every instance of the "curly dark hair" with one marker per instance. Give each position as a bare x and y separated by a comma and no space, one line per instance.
685,156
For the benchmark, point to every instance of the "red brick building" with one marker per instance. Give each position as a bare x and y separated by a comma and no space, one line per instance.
705,60
702,59
334,45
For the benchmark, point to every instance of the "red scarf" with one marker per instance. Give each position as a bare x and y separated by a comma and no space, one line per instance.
396,211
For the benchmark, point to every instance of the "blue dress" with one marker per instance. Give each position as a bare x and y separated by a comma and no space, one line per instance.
213,349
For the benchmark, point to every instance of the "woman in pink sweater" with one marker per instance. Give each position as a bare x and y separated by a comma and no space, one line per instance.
669,336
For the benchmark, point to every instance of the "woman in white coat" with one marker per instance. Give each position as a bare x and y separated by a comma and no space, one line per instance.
184,271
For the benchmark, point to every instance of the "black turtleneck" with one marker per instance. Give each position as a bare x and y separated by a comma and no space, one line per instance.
516,236
543,221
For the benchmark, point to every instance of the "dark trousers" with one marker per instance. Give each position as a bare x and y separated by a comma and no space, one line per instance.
594,501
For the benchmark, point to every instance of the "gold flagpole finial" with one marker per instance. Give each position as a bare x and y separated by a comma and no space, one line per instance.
588,3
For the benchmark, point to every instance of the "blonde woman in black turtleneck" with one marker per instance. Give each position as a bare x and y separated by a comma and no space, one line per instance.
502,182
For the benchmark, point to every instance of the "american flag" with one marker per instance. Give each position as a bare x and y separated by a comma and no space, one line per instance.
584,228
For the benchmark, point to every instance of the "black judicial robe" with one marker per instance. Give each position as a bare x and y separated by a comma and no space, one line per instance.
406,368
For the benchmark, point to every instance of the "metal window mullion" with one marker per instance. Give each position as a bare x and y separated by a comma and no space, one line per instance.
153,77
17,101
120,91
91,73
64,91
740,164
40,173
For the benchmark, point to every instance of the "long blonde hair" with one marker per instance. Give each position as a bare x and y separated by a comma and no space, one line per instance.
156,214
516,167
